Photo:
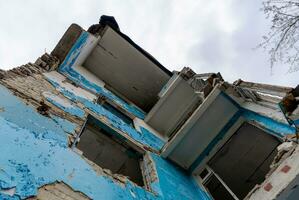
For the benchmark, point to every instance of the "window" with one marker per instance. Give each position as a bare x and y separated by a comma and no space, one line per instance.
240,164
215,186
108,150
119,112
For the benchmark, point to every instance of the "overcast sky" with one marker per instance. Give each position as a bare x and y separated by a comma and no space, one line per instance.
208,36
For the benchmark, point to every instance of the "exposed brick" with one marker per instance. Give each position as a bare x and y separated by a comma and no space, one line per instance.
58,191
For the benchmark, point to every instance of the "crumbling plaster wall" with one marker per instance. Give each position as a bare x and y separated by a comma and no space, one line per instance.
87,101
39,116
58,191
36,149
270,120
35,152
37,128
282,181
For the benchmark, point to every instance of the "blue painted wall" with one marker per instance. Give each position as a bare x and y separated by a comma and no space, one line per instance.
146,138
276,128
34,152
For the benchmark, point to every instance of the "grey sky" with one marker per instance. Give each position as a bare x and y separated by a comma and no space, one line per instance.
208,36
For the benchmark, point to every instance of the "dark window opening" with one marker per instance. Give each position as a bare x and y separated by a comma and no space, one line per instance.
114,110
242,162
105,149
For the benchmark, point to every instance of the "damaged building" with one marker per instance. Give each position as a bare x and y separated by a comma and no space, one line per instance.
100,118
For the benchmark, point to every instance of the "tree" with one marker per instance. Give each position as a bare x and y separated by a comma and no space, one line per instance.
282,40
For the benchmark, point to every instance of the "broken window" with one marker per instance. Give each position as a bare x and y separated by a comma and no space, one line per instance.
240,164
107,149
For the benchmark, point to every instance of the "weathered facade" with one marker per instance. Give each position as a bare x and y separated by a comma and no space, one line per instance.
100,118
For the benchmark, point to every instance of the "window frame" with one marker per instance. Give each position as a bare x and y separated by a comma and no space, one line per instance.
143,167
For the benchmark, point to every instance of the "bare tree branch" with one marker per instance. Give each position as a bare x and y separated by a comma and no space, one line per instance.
282,39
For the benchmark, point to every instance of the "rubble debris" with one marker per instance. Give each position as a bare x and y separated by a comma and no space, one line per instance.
289,103
47,62
284,151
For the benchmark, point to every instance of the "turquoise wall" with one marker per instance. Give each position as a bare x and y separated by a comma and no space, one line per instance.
34,152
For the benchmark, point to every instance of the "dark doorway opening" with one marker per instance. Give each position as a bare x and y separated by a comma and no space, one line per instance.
242,162
109,151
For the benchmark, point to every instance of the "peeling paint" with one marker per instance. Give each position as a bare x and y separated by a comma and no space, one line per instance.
10,191
67,68
272,126
77,78
35,158
34,162
35,152
64,104
28,162
146,137
26,117
59,79
66,125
